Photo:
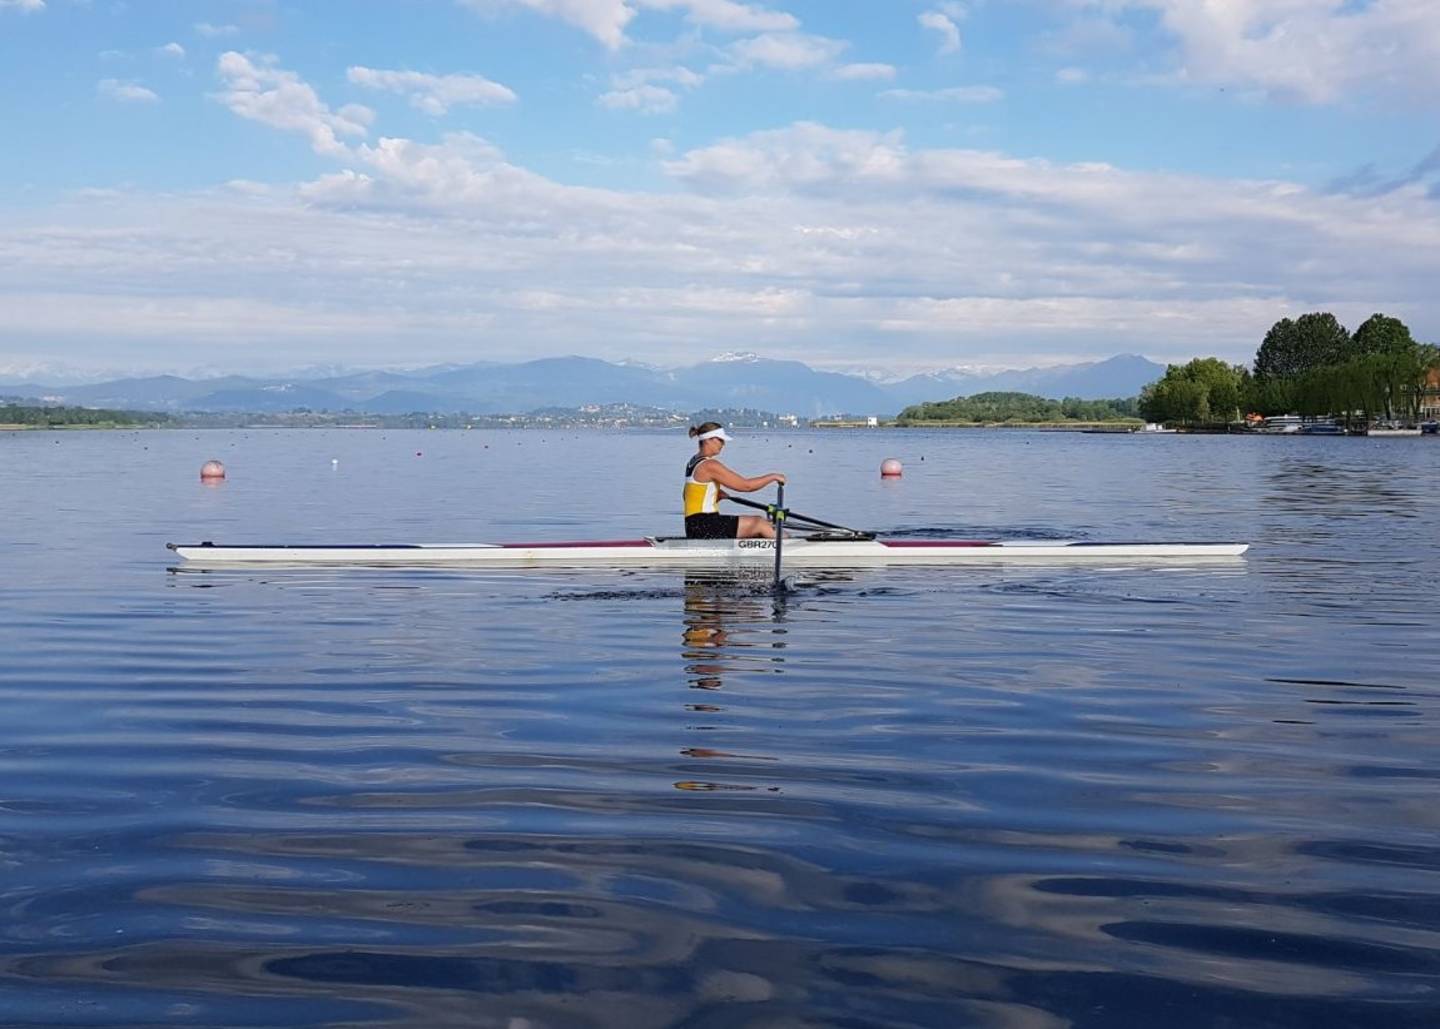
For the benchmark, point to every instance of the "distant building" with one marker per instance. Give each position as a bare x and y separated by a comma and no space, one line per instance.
872,422
1430,396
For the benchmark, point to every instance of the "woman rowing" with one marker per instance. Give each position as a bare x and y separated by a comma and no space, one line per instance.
704,477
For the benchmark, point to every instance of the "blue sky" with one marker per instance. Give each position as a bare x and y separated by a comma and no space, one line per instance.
255,186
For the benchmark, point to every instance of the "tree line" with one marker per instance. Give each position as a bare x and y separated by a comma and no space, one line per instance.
1311,365
26,414
1020,407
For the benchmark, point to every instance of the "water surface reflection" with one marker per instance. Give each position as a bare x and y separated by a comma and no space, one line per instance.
1013,797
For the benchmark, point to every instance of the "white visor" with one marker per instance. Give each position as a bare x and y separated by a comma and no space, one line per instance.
714,434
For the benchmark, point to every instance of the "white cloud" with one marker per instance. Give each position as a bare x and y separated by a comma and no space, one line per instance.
434,94
788,51
171,50
126,91
603,19
647,99
637,89
863,72
954,94
23,6
941,23
832,245
209,31
1317,51
262,92
806,153
1072,76
678,74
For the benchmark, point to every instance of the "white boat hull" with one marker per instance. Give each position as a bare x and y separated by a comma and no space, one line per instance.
653,552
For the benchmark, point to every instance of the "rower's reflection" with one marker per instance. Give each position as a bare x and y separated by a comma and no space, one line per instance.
735,630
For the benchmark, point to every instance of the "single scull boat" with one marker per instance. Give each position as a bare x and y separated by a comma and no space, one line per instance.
818,550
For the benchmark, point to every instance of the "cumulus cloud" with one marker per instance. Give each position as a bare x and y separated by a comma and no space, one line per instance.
647,99
126,91
23,6
639,90
828,243
171,50
1316,51
787,51
603,19
678,74
261,91
953,94
863,72
941,23
434,94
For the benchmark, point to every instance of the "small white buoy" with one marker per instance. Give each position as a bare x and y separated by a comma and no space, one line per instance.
890,468
212,471
334,462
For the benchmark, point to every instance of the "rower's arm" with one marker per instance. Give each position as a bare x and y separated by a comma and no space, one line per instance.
722,476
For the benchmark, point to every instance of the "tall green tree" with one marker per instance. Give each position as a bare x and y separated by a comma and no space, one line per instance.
1380,334
1379,384
1292,348
1205,391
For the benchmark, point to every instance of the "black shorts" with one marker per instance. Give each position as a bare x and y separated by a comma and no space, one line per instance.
712,526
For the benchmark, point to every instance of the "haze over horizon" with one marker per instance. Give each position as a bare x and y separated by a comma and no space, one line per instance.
245,186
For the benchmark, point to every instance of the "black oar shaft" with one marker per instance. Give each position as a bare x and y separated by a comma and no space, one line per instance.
779,519
794,515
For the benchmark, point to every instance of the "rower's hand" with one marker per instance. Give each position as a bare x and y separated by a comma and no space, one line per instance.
720,495
777,478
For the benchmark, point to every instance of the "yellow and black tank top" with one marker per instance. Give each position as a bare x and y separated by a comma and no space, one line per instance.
700,497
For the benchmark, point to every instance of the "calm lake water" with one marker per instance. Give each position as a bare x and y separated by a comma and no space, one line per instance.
1014,797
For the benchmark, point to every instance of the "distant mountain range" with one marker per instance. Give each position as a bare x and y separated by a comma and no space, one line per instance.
732,381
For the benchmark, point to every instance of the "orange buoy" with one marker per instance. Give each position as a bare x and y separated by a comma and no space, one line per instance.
212,471
890,468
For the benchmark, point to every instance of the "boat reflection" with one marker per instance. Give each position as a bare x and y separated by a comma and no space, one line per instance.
734,631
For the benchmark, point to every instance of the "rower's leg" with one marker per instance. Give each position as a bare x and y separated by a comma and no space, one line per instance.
755,527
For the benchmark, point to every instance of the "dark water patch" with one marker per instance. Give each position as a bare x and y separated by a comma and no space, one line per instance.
1335,682
1276,946
1393,772
1426,858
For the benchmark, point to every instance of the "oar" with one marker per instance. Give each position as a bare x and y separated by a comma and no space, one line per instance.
793,515
777,517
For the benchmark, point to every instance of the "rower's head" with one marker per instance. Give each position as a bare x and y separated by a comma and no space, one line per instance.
711,437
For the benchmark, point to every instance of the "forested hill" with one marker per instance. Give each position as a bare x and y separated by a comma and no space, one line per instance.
1020,407
35,416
